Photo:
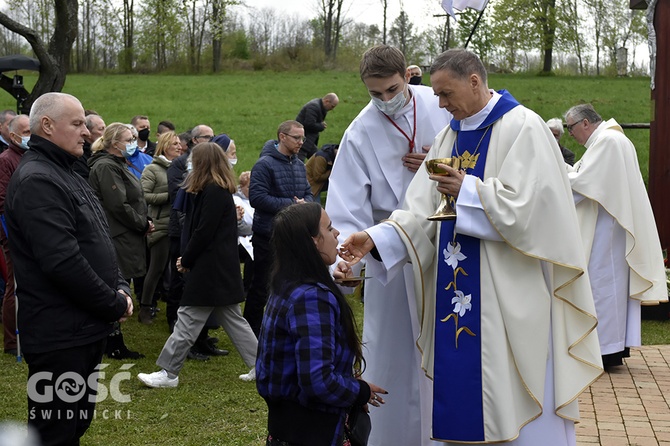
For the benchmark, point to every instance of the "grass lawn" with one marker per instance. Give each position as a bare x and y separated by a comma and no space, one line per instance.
250,105
212,406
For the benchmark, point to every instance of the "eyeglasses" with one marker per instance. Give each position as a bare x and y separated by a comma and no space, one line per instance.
570,126
297,138
128,141
205,137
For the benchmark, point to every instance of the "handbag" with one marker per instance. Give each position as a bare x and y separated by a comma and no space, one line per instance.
358,426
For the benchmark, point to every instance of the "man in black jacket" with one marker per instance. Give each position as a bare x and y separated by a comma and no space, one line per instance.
313,118
68,281
96,127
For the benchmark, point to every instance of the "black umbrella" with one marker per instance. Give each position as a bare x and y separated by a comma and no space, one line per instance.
18,62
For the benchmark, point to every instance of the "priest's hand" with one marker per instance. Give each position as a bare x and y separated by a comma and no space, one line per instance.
355,247
449,184
413,160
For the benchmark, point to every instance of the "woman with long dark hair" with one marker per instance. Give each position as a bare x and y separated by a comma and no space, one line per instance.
309,355
211,267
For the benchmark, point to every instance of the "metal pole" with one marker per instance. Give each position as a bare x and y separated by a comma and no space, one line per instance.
474,28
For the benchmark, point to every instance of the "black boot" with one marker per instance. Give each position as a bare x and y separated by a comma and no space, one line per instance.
145,316
116,347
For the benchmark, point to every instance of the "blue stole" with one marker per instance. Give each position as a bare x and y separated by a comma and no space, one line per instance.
458,412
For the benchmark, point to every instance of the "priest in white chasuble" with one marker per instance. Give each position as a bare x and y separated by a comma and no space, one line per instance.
618,229
508,322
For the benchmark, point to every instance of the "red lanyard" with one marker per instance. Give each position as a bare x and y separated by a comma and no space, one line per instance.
410,140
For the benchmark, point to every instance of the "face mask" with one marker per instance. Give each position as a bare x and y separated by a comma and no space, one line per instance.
24,142
415,80
393,105
189,166
143,134
130,150
232,161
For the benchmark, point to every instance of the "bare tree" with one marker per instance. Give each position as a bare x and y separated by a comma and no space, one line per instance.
546,17
55,57
599,11
572,34
385,5
128,54
330,13
218,17
196,20
402,35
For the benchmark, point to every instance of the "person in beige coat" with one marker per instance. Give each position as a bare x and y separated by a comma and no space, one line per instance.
155,187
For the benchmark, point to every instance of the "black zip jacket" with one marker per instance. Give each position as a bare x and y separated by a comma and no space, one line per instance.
65,265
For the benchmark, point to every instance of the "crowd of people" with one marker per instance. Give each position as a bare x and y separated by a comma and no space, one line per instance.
495,297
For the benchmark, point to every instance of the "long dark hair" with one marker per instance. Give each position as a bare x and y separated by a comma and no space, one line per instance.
297,261
210,165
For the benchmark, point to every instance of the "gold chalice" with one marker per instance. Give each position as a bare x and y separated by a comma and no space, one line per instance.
445,211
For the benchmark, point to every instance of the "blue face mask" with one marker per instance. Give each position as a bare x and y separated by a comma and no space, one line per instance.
130,149
24,142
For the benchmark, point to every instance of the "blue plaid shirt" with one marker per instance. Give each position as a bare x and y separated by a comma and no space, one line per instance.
303,355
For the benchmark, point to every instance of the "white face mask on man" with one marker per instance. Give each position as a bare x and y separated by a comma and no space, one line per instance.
393,105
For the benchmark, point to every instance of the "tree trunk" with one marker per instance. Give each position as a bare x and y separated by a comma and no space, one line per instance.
128,31
55,58
385,6
218,12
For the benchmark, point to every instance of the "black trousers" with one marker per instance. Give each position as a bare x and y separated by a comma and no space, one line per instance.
257,296
176,281
58,407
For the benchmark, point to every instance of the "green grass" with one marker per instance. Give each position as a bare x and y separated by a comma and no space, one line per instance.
250,105
211,406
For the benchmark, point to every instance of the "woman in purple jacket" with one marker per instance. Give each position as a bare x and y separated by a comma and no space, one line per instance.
309,355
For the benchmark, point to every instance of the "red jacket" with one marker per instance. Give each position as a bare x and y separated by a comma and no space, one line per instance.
9,161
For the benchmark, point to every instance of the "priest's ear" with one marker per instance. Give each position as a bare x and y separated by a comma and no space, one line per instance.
475,81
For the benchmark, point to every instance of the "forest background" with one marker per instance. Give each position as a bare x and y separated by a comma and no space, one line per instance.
203,36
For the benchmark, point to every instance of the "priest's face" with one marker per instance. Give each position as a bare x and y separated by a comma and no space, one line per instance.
461,97
578,129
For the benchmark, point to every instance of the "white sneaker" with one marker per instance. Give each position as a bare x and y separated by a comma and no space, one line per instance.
248,377
158,379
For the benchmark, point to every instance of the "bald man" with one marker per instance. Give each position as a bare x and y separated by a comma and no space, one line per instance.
69,283
313,117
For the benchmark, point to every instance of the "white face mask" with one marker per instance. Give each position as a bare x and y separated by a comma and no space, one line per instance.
232,161
24,142
393,105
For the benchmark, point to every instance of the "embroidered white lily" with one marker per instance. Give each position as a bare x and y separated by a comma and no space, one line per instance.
462,302
453,254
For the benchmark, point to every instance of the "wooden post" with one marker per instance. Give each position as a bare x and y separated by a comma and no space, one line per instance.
659,138
659,143
659,135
